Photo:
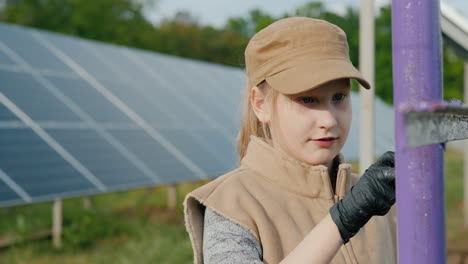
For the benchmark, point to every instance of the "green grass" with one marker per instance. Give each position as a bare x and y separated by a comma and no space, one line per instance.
137,227
125,227
155,243
457,234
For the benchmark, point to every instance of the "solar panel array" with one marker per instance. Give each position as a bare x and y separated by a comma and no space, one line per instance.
79,117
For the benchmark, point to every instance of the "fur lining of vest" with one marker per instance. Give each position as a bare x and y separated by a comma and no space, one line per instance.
280,200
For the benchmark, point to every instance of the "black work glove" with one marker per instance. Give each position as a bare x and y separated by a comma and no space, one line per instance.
373,194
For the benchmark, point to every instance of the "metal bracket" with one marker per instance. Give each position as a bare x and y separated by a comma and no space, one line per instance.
436,126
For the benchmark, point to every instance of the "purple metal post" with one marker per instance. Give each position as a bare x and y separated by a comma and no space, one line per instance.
417,77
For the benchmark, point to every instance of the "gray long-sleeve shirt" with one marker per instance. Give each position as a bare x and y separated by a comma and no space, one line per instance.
227,242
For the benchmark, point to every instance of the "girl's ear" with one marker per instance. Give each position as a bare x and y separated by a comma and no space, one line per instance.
260,105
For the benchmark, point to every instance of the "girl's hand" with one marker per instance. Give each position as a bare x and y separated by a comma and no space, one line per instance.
373,194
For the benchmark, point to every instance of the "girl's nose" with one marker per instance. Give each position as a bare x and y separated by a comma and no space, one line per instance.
327,119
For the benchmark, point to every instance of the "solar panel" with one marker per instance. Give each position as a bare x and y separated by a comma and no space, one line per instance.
384,127
89,100
24,46
144,103
4,60
7,193
168,168
6,115
110,166
212,162
79,117
36,167
33,99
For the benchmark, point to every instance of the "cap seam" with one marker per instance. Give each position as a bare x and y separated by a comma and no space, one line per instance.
291,50
294,26
295,66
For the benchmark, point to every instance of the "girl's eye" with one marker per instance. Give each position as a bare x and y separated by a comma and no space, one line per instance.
307,100
339,97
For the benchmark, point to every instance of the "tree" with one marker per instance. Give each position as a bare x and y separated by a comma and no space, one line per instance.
383,55
453,73
255,21
200,42
116,21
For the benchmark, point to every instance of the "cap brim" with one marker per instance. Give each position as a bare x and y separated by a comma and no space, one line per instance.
310,75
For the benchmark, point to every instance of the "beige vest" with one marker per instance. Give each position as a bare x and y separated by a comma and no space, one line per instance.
280,200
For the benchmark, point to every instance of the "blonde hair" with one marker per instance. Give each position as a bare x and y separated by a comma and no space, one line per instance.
250,124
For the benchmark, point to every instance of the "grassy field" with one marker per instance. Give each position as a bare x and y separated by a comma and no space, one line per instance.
457,234
137,227
126,227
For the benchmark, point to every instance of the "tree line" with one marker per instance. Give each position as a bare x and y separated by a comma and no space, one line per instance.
123,22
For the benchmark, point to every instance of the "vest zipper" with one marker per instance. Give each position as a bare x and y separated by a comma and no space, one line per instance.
338,191
336,198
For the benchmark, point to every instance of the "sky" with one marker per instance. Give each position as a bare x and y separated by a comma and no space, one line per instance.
216,12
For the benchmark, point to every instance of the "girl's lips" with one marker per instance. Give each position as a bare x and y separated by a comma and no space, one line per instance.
324,138
325,142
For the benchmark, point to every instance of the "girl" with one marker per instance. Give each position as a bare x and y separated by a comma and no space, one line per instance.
291,200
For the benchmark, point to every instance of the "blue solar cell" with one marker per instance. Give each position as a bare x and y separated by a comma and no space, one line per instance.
5,60
36,167
21,41
7,195
213,162
89,100
192,84
78,50
191,92
132,74
224,148
232,84
155,156
6,115
33,98
101,158
146,107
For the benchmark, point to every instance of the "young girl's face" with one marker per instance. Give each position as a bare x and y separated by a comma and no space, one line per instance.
313,126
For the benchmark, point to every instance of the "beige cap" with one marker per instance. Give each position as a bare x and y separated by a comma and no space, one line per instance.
299,53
